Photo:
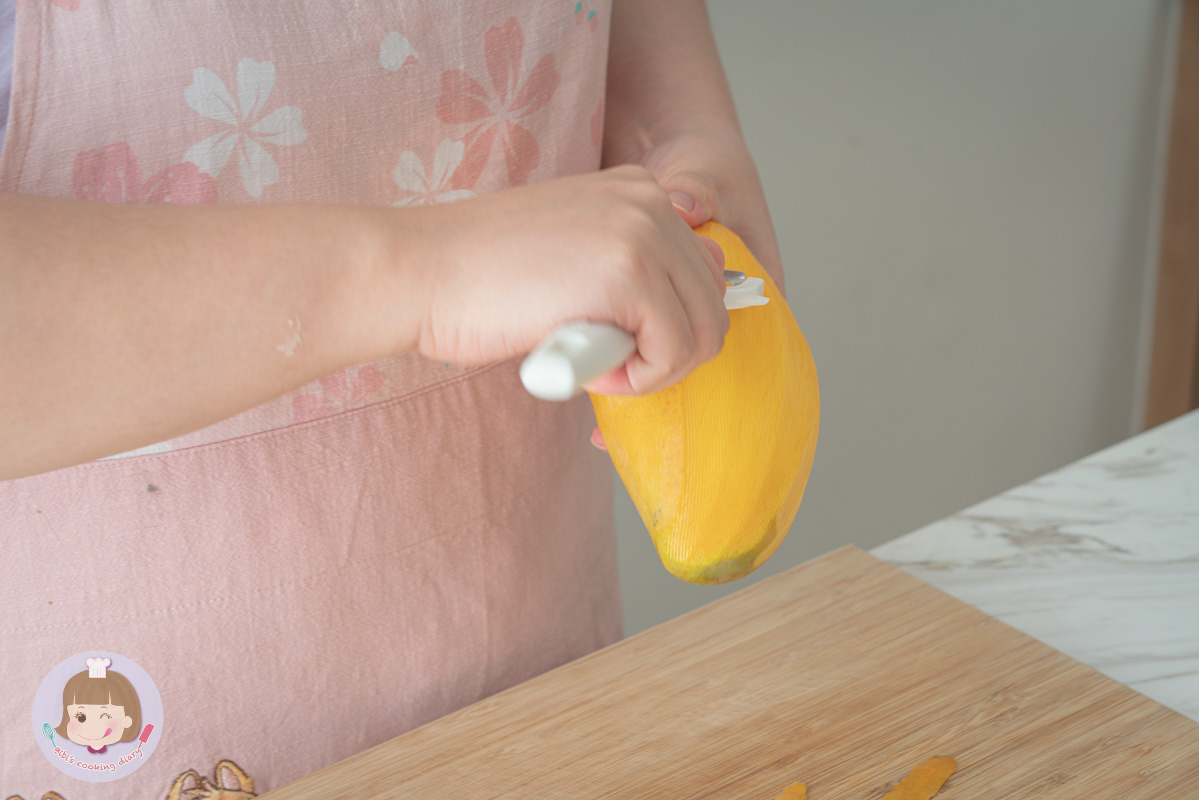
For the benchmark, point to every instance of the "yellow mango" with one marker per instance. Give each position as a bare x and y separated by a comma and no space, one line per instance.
717,463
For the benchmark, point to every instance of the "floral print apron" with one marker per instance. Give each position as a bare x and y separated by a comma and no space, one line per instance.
219,614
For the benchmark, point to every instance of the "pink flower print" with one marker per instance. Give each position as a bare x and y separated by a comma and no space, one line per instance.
246,125
111,175
424,189
338,392
464,100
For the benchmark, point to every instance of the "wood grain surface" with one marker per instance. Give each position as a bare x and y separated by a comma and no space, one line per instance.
842,673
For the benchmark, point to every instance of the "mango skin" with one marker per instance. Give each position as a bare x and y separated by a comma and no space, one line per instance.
717,464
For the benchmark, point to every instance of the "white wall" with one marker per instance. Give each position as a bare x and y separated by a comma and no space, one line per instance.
965,194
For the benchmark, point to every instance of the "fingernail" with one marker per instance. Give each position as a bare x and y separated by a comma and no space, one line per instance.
682,202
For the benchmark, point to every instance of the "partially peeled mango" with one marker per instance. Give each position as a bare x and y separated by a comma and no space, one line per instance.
717,463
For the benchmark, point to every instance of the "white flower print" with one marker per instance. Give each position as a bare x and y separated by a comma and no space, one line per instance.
396,52
208,95
424,189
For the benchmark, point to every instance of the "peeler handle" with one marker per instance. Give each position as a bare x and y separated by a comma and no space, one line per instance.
572,355
578,352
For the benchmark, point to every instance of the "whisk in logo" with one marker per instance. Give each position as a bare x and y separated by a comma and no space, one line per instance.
97,716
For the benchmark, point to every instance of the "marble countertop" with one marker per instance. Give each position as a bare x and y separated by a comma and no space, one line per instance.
1099,560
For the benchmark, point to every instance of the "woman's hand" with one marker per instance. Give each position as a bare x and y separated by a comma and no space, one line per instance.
511,266
670,110
712,176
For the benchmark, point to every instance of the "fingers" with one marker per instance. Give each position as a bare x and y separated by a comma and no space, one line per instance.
692,195
688,323
615,382
691,171
684,326
680,322
683,188
717,261
606,247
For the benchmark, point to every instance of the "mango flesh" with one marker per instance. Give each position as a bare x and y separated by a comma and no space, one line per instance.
717,464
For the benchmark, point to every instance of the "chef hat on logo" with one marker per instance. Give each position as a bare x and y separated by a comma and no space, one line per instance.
97,667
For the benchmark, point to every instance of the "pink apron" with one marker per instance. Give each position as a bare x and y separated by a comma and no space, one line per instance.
358,557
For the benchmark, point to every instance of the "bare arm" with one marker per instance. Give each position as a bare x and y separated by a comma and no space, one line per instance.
125,325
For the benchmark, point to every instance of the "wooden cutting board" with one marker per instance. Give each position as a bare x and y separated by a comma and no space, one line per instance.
842,673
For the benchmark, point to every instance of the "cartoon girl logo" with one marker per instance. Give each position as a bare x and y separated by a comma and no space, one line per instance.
99,723
99,708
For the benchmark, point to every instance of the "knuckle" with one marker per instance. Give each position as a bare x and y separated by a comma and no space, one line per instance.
628,264
628,220
630,247
640,187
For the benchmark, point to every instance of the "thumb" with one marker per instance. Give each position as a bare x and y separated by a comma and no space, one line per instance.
693,197
695,200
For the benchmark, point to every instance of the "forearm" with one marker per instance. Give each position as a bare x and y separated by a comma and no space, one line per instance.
123,325
665,78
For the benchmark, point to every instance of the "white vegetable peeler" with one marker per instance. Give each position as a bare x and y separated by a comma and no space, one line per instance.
579,352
